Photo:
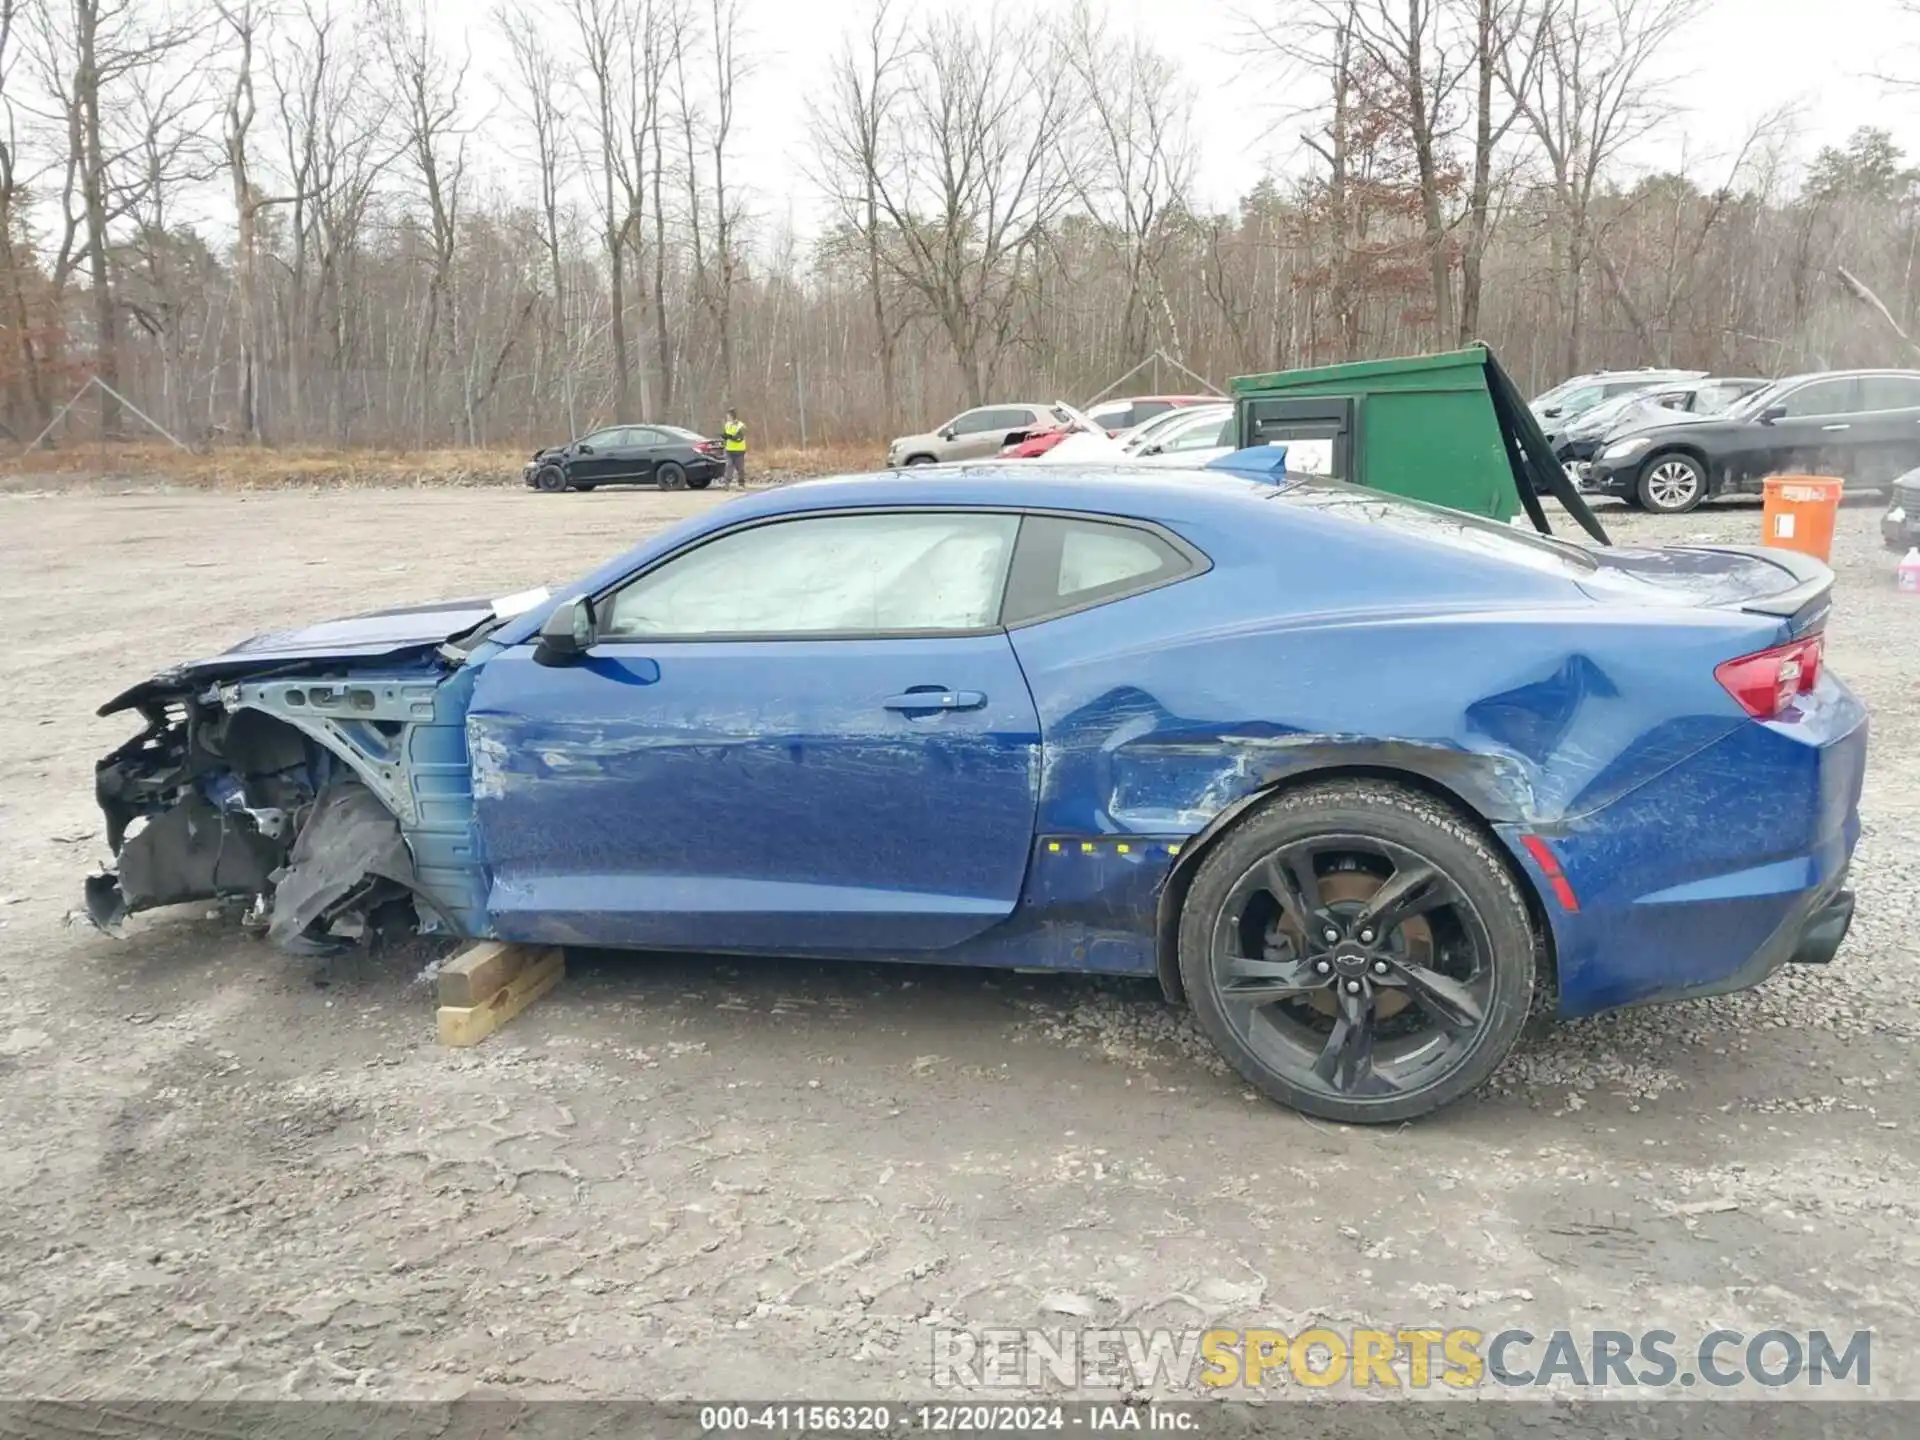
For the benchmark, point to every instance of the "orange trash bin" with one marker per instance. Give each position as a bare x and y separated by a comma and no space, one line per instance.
1799,512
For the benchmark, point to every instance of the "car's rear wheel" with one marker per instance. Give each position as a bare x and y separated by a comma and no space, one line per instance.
1358,951
550,478
671,475
919,460
1672,484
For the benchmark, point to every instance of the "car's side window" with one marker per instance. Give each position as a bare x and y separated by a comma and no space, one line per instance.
976,422
1822,397
1067,563
825,575
642,436
1201,436
1890,392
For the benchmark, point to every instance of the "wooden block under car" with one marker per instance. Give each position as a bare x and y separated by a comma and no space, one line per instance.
484,987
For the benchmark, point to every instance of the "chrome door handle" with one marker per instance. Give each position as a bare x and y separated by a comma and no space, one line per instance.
936,700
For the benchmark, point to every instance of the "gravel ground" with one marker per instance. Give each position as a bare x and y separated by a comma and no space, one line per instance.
228,1174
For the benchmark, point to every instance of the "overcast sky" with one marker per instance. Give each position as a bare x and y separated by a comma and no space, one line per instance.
1741,59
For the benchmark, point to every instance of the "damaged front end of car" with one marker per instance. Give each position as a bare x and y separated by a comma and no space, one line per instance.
317,777
216,800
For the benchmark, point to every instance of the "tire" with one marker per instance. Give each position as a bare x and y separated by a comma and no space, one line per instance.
699,482
1671,484
550,478
671,475
1347,1030
918,460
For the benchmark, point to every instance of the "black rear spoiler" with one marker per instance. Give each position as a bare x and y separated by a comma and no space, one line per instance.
1803,603
1531,458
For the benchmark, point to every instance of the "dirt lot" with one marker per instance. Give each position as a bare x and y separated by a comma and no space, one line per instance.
226,1173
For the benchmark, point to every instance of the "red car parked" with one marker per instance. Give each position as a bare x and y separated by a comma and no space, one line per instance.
1115,416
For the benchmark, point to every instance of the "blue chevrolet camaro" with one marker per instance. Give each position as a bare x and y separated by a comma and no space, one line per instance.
1364,781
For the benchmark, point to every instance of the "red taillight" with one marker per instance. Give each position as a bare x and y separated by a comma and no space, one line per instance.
1767,682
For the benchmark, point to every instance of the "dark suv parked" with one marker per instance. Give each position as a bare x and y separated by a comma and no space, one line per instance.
672,458
1861,425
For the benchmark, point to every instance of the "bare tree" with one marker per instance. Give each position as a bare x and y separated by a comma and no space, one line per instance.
243,20
1591,91
161,270
979,175
1494,29
537,82
90,50
602,30
852,129
729,69
662,36
434,134
1143,159
332,148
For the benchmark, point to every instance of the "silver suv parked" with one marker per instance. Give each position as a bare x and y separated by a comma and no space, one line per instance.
974,434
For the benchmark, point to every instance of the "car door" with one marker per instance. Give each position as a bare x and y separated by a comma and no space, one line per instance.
646,448
1815,432
808,735
1887,429
597,456
975,433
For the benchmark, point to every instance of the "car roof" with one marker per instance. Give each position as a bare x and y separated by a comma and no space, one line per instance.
1848,374
1109,488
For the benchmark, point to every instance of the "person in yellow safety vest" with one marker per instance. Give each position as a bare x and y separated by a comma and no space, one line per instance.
735,436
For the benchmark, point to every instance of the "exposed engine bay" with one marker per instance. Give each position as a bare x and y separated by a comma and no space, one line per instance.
213,801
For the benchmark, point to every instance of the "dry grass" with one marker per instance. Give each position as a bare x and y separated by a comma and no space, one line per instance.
238,467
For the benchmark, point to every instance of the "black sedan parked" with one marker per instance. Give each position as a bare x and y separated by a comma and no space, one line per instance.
1861,425
665,455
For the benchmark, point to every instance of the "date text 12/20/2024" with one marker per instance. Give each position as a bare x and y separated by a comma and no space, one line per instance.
944,1418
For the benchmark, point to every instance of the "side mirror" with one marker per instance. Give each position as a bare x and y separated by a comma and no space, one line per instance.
1552,412
1773,413
569,633
585,449
948,433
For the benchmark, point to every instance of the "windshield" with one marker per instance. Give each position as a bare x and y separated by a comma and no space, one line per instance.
1158,424
1570,402
1174,422
1756,402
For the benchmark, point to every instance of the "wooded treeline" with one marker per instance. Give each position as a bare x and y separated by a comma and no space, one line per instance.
413,248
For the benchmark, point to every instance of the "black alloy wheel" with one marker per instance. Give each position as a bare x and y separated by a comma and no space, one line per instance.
671,475
550,478
1358,952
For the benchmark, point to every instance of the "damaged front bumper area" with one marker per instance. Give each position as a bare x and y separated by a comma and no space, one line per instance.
216,801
